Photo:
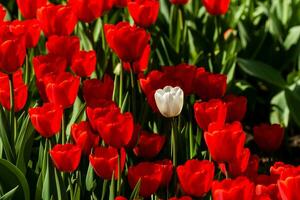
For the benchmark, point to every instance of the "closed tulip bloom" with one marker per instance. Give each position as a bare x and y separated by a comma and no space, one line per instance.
120,198
236,107
149,145
28,8
116,128
167,171
289,183
195,177
46,119
212,111
225,143
142,64
46,64
104,90
213,86
228,189
89,10
150,175
62,89
268,137
30,30
105,162
179,2
19,88
266,187
128,42
238,166
135,136
120,3
12,50
66,157
56,19
84,136
84,63
63,46
143,12
216,7
169,101
94,114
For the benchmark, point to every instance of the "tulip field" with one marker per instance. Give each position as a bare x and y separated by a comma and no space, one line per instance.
150,99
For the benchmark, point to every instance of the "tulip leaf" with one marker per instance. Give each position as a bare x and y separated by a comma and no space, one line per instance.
4,136
293,102
262,71
136,191
10,194
11,177
112,188
292,37
280,111
90,182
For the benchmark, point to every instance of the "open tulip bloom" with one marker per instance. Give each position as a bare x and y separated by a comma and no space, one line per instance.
149,99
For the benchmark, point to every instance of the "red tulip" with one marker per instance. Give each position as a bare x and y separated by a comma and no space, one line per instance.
120,3
236,107
289,183
104,90
167,171
89,10
266,187
149,145
238,166
212,85
105,161
252,168
181,198
84,63
28,8
29,29
128,42
268,137
196,177
46,119
64,46
150,175
278,168
226,143
62,89
135,136
140,65
20,91
2,13
12,50
46,64
143,12
66,157
57,19
94,113
179,2
216,7
212,111
115,128
84,136
120,198
228,189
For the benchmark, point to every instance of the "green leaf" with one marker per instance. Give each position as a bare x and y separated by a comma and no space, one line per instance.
292,37
280,112
10,177
136,191
90,182
293,102
112,188
262,71
10,194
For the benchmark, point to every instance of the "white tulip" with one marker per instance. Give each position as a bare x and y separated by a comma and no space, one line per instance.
169,101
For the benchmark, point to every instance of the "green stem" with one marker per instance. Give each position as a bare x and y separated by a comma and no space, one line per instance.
12,109
119,173
71,187
173,142
63,133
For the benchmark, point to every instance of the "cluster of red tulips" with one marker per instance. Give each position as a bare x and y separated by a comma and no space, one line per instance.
110,136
